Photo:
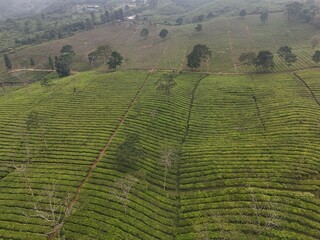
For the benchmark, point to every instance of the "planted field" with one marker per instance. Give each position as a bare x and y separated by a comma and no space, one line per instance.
77,115
245,164
249,166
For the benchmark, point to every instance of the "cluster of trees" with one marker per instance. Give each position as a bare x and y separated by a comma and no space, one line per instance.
264,15
111,58
264,60
145,33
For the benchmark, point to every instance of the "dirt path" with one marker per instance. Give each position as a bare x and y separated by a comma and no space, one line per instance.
307,86
184,138
233,57
101,154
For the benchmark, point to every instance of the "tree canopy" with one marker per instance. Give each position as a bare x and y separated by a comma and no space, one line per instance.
163,33
115,60
285,52
199,53
265,61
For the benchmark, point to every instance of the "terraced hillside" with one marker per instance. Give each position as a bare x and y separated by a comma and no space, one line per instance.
245,158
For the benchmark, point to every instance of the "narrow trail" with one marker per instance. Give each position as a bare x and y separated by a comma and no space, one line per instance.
233,57
100,156
307,86
184,138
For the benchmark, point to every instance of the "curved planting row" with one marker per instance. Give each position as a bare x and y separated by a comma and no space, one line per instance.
151,209
250,167
75,117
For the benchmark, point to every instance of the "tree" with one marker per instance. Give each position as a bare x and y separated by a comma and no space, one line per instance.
264,17
144,33
285,52
248,58
168,156
7,61
179,21
293,10
210,16
104,51
64,61
103,18
243,13
123,188
46,83
315,41
128,150
163,33
165,84
265,61
92,57
107,15
115,60
316,56
198,28
51,64
32,63
199,53
93,17
33,120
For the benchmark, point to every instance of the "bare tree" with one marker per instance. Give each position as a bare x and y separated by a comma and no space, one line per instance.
123,188
168,156
315,41
23,77
265,216
153,114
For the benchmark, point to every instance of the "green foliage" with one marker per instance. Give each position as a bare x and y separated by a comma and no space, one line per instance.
198,28
243,13
63,63
128,151
7,61
163,33
199,53
115,60
32,63
33,120
264,16
248,58
165,84
285,52
316,56
179,20
50,63
144,33
264,61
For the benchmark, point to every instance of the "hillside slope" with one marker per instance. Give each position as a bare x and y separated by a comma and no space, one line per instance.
246,163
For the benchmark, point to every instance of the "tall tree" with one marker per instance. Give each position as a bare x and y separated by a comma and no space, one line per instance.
7,61
32,63
128,150
144,33
243,13
198,28
163,33
199,53
285,52
115,60
50,62
265,61
104,51
165,84
92,57
264,17
248,58
64,61
316,56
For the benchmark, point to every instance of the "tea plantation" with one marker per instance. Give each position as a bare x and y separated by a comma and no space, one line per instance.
244,157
